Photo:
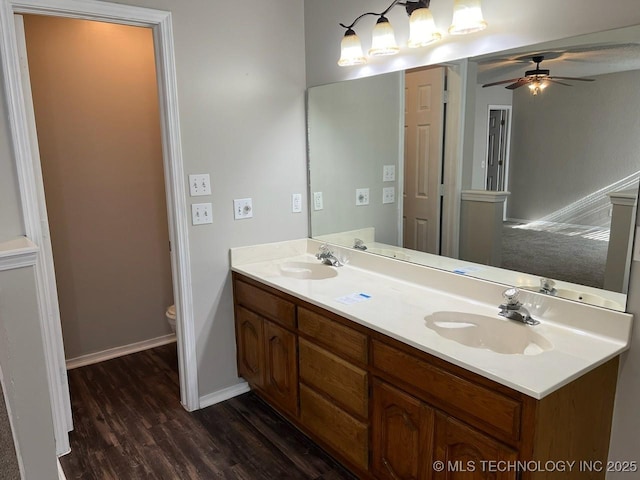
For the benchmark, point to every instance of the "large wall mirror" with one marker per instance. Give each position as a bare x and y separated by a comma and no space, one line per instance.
381,150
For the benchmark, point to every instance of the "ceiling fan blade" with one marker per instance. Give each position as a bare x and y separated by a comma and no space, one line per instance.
520,83
501,82
574,78
553,80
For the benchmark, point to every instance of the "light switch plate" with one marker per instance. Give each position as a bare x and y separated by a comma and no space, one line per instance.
201,213
317,201
296,202
199,184
389,173
242,208
362,196
388,195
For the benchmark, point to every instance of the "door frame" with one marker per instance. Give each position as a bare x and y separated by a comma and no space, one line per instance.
27,162
507,150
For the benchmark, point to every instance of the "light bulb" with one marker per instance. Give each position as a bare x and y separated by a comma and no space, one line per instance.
422,28
351,50
383,41
467,17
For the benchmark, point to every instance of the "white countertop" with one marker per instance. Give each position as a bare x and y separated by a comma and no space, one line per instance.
403,294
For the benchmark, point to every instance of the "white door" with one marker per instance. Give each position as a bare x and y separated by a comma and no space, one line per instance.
424,110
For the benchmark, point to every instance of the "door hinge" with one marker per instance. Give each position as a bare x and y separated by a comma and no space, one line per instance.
445,96
441,190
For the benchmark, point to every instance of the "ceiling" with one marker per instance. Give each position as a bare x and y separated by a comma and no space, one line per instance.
583,56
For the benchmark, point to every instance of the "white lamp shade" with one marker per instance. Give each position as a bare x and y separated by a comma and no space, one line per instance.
467,17
351,50
383,41
422,28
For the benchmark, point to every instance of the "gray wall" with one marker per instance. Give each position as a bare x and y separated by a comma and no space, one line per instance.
351,137
23,367
570,142
103,179
10,215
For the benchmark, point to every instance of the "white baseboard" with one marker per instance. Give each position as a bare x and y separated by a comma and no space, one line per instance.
224,394
97,357
61,475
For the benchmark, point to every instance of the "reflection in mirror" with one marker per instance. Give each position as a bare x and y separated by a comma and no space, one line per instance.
548,184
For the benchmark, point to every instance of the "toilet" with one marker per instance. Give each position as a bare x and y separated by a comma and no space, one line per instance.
171,317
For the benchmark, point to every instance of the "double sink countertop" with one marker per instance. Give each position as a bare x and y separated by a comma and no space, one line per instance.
397,299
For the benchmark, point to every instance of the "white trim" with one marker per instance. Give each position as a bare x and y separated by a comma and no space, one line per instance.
97,357
61,475
224,394
454,145
18,253
627,198
32,193
488,196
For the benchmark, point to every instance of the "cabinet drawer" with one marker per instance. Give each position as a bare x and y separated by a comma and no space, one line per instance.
477,405
265,303
345,434
342,381
342,340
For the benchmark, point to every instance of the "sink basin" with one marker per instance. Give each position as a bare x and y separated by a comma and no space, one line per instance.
307,270
389,252
492,333
584,297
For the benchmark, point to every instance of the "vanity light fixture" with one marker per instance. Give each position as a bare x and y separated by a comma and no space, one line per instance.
467,18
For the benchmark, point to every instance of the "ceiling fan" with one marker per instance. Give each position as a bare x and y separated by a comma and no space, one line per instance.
537,79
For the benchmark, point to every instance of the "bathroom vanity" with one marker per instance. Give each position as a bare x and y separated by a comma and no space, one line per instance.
353,357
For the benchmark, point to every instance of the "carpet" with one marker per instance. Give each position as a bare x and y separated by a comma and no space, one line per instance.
8,461
570,258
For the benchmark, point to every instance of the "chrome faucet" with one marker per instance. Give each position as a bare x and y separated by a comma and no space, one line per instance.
547,286
513,309
326,256
359,245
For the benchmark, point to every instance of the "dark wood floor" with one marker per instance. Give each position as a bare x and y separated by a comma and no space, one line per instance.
129,424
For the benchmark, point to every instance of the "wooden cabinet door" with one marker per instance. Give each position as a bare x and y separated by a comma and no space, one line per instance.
402,432
250,345
467,454
281,380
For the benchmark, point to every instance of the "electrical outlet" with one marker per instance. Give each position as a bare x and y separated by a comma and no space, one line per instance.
389,173
362,196
296,202
388,195
201,213
199,185
242,208
317,201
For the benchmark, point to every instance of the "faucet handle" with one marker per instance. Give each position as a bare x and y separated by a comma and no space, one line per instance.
547,283
511,297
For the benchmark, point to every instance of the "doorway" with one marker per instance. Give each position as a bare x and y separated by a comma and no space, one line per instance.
32,192
498,144
95,101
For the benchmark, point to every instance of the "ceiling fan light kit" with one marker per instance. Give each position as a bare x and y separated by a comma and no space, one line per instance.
467,18
537,79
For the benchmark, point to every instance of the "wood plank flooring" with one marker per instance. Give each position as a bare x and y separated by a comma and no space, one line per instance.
129,424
